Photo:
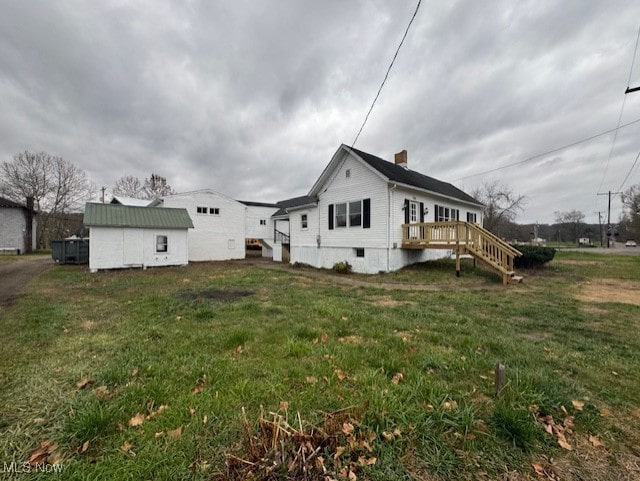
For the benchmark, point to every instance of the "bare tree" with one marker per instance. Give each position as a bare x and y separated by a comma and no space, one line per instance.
56,185
631,216
156,186
129,186
574,219
501,205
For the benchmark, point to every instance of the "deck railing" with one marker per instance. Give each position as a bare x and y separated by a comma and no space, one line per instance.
461,236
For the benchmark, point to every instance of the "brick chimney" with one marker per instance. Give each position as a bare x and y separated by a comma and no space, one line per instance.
401,158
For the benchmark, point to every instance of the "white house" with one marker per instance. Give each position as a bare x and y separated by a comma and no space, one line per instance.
218,224
17,226
356,209
128,236
258,223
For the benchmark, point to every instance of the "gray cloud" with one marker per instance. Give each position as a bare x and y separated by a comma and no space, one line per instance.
252,98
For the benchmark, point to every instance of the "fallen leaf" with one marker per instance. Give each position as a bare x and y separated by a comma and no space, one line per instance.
312,379
126,447
596,441
137,420
197,389
562,441
484,378
341,374
134,372
548,428
449,405
283,406
324,338
429,407
397,432
366,445
397,377
158,434
347,428
192,410
205,419
158,411
564,410
175,433
42,453
577,404
339,451
102,392
85,447
84,382
352,476
605,412
614,373
538,468
387,436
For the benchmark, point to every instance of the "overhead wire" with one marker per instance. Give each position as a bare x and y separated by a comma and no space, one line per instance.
387,74
543,154
624,100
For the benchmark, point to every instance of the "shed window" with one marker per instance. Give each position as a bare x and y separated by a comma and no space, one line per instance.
162,243
303,221
263,221
201,210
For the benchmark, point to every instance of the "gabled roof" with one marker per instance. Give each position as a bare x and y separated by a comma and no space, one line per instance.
293,202
115,215
117,199
397,173
257,204
391,172
9,203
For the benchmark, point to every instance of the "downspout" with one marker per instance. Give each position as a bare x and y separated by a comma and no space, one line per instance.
389,222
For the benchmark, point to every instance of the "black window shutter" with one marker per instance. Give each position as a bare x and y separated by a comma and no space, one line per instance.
435,213
366,213
330,216
421,211
406,211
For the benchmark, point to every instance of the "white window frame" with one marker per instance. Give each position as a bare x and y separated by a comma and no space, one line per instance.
414,207
304,221
359,214
472,217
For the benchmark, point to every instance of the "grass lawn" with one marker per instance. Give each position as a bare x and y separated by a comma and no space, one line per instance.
232,371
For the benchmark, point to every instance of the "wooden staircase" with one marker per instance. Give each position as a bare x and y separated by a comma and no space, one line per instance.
464,237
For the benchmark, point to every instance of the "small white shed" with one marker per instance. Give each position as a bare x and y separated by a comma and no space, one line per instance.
127,236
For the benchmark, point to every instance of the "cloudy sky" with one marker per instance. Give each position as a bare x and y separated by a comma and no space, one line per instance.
251,98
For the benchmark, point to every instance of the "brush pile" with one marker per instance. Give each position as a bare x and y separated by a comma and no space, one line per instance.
277,448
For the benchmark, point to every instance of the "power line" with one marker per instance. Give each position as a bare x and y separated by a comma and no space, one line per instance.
629,173
387,74
543,154
624,99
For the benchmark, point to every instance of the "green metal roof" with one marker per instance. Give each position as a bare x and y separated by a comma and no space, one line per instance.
114,215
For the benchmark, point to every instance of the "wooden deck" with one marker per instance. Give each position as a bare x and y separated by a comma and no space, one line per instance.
463,238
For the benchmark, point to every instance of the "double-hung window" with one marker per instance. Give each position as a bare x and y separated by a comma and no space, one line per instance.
341,215
162,244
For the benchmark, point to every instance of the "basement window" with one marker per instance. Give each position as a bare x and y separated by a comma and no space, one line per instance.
359,251
162,243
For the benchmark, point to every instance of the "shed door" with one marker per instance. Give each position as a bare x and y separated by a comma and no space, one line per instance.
133,247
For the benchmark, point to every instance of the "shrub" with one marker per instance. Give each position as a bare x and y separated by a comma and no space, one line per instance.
342,267
533,256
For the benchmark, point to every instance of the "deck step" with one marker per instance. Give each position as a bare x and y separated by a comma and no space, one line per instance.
515,279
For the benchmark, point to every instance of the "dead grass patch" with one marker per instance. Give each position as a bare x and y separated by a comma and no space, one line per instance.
610,290
216,295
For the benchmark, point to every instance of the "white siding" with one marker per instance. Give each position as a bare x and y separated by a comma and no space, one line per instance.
214,237
12,228
252,227
122,247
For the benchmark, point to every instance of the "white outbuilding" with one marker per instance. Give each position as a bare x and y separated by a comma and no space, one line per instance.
127,236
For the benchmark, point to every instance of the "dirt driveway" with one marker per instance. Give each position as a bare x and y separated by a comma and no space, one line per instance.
16,273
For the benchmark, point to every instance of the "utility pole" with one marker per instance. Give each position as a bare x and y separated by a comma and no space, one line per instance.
600,225
609,233
103,189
